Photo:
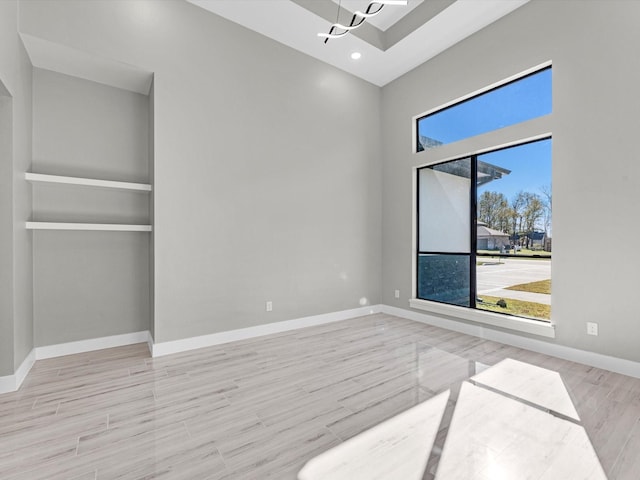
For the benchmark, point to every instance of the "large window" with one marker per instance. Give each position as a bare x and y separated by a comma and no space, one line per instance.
484,220
484,231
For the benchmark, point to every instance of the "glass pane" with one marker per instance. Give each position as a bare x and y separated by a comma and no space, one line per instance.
514,219
444,220
444,278
515,102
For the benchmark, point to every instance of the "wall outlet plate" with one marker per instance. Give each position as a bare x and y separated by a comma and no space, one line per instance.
269,306
592,328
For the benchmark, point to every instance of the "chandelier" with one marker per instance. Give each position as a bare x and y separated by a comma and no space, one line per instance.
338,30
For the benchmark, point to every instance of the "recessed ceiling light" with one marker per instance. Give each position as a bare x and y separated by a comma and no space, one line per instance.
356,55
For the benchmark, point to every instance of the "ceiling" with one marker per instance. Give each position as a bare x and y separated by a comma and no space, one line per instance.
397,40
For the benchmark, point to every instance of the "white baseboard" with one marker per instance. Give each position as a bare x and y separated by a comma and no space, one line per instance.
25,368
606,362
192,343
150,343
90,345
11,383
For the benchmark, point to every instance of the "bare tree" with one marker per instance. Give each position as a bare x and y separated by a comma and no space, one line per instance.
518,204
532,212
546,200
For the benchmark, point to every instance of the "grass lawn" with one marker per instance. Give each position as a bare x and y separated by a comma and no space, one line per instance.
526,251
517,307
543,286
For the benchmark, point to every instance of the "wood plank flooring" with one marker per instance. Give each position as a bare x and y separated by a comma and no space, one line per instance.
262,408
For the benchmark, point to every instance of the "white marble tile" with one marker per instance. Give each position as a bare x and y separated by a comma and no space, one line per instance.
537,385
496,437
396,448
261,408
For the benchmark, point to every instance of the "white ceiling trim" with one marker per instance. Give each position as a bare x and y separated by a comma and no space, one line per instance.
290,24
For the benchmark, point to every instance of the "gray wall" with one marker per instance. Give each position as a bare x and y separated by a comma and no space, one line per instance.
6,236
152,298
89,284
22,262
16,325
267,165
596,173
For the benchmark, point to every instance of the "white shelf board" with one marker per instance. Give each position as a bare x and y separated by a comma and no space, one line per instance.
89,182
88,226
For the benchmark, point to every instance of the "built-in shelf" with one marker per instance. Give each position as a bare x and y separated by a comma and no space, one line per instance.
89,182
88,226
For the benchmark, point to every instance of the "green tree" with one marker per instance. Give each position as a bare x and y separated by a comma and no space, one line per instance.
493,210
525,213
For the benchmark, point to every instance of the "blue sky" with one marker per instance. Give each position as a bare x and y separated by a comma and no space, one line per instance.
522,100
530,166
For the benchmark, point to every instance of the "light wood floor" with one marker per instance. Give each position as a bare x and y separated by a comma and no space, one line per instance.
262,408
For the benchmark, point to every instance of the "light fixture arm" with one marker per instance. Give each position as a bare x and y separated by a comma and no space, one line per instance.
338,30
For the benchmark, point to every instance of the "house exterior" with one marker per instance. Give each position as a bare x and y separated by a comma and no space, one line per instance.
535,240
490,239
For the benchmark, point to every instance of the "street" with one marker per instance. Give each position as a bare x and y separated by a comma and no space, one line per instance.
493,278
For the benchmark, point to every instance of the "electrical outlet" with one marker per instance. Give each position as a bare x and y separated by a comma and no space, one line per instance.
592,328
269,306
397,294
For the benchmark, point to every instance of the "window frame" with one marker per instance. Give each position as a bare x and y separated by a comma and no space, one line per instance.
532,130
415,137
473,230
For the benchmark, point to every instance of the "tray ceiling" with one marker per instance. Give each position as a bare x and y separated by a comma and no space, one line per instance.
397,40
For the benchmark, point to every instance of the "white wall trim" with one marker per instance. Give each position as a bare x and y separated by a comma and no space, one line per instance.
150,343
606,362
90,345
192,343
25,367
11,383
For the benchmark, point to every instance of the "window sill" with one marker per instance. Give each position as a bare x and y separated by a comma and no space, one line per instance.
534,327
